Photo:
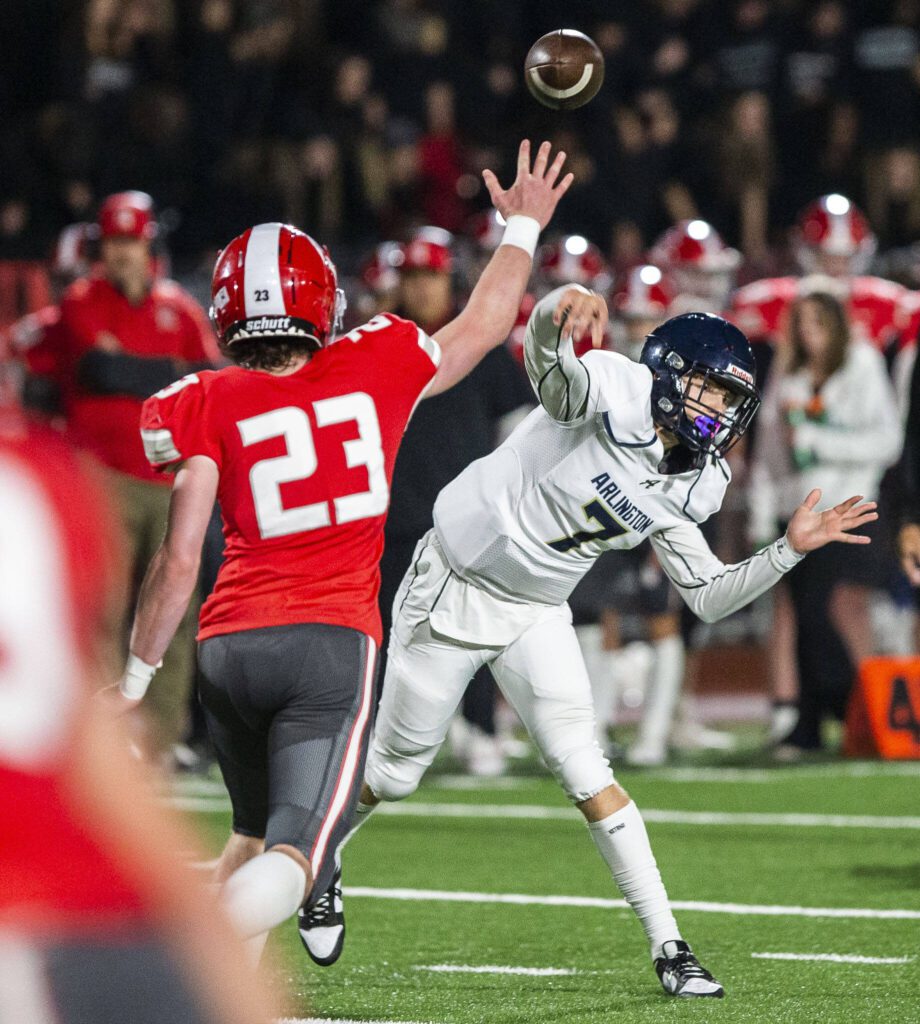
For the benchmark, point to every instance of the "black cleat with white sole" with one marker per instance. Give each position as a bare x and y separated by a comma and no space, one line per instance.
681,974
322,926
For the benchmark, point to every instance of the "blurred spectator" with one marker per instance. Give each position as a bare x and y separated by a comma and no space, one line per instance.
442,181
746,168
893,202
829,420
747,56
814,81
123,335
886,79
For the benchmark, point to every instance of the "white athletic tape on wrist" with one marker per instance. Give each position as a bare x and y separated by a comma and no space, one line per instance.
523,232
137,677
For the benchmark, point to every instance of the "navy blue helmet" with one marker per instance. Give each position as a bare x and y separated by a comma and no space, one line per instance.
686,353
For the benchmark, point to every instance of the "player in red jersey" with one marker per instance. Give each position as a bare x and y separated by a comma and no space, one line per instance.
298,442
125,332
99,921
832,238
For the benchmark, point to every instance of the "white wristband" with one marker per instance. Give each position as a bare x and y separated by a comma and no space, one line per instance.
137,677
524,232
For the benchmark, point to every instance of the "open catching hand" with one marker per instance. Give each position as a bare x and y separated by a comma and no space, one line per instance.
809,530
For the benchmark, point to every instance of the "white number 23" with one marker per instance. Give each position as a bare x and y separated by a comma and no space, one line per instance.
300,462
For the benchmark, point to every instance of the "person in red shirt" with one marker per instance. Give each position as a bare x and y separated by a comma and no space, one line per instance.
298,441
123,334
99,920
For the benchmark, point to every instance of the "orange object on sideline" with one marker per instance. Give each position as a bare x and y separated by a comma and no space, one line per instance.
883,718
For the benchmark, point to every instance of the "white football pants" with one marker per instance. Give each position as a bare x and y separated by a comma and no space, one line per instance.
541,673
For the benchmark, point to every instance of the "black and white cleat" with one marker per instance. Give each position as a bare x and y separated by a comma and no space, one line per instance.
681,974
322,926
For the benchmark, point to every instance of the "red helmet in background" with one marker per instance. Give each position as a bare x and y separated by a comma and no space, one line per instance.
574,259
381,272
643,293
486,229
431,249
702,267
275,280
833,226
127,215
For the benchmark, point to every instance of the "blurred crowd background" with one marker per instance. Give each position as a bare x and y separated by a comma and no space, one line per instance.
360,119
368,122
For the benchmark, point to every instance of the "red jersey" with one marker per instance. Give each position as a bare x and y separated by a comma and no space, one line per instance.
305,466
167,323
34,341
55,548
879,309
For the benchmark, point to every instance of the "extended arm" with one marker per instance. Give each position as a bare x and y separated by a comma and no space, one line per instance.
490,313
172,573
559,378
714,590
711,588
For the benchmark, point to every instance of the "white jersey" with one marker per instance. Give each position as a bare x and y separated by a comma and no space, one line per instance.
580,476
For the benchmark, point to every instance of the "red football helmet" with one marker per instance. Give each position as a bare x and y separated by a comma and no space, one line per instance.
573,259
127,214
698,261
487,229
429,249
644,293
275,280
381,272
833,227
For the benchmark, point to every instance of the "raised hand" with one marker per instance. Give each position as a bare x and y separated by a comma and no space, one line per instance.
809,530
534,192
581,312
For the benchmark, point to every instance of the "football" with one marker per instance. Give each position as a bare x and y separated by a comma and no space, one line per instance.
564,69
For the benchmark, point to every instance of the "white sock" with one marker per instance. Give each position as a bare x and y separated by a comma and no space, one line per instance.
264,892
664,688
623,843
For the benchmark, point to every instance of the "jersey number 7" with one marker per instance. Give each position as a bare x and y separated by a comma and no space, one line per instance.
610,527
300,462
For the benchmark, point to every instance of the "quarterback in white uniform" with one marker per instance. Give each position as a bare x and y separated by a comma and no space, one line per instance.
616,453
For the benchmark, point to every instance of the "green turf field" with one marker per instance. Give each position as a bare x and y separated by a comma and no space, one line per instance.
519,837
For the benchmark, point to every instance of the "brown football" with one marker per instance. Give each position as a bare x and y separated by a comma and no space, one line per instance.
564,69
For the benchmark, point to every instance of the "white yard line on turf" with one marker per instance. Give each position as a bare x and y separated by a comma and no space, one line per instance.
536,972
419,809
857,770
335,1020
473,783
834,958
601,903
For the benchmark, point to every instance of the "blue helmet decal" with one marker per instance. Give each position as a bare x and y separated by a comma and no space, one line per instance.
690,355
